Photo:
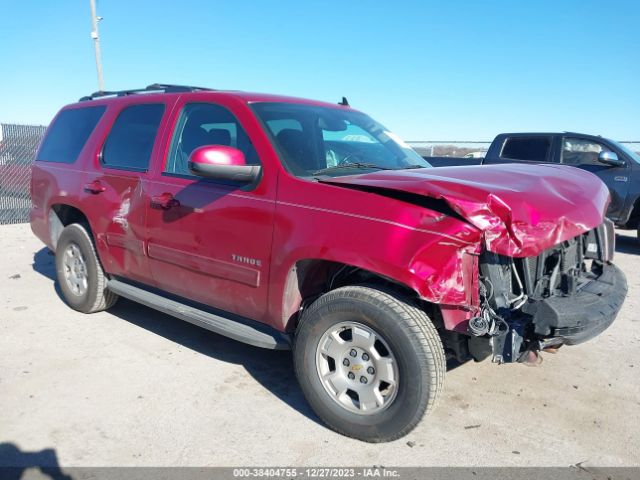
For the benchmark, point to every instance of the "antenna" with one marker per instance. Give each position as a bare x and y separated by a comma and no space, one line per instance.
344,102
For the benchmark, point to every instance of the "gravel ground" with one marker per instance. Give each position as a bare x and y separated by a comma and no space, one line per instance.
135,387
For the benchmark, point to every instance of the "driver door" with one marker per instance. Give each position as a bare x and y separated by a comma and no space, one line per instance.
583,153
210,241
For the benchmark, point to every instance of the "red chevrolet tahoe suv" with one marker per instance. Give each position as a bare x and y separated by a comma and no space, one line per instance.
289,223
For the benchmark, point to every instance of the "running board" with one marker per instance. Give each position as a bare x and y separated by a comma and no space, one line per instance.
246,331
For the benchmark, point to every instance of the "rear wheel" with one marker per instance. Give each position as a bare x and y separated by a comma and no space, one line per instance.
81,278
369,363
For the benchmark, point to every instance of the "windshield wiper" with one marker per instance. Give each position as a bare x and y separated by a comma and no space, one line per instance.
411,167
358,165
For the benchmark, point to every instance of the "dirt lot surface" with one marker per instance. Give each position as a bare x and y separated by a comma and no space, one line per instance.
135,387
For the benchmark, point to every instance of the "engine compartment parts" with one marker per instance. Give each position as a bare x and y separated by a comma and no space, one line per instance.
570,293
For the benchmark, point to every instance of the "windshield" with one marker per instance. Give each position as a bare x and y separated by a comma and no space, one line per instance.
628,151
330,141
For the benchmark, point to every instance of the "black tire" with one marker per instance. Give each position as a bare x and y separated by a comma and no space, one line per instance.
411,337
96,297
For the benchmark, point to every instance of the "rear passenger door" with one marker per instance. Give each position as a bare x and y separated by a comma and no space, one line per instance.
210,241
114,188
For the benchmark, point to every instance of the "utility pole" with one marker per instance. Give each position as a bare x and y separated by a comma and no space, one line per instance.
96,43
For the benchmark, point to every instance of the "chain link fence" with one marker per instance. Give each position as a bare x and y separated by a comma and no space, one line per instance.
456,149
18,145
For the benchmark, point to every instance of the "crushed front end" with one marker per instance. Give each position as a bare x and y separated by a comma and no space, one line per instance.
567,294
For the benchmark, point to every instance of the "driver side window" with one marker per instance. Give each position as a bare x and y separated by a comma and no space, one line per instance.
206,124
577,151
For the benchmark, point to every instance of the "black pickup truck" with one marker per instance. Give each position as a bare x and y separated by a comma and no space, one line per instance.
615,164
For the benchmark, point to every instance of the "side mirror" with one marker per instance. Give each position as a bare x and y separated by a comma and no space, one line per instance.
610,158
220,162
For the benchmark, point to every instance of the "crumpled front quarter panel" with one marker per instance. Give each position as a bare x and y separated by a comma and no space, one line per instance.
521,209
428,251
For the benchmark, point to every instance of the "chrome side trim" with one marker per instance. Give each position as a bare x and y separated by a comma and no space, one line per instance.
379,220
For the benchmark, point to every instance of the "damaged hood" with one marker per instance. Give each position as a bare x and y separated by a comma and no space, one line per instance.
521,209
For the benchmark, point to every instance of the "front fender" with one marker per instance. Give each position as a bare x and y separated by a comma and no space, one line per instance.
439,268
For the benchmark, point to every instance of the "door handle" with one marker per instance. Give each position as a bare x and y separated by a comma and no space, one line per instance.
94,187
164,201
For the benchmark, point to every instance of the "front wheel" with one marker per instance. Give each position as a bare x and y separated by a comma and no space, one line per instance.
369,363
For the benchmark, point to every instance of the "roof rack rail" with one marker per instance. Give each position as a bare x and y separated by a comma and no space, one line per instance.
155,87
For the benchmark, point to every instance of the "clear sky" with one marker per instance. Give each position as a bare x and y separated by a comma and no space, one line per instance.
429,70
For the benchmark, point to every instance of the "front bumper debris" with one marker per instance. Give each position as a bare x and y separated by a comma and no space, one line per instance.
567,295
586,314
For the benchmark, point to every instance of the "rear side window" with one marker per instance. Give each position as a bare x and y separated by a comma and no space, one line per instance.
130,141
68,134
533,149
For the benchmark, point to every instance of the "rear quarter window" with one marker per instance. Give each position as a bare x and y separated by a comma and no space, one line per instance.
132,136
68,134
532,149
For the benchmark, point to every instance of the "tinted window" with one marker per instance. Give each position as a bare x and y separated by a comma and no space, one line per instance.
577,151
533,149
277,125
206,124
132,136
68,134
